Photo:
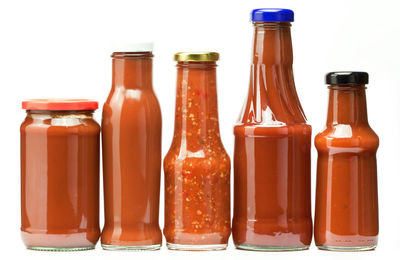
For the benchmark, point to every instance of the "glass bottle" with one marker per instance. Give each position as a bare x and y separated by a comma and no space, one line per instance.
131,135
197,167
346,213
272,201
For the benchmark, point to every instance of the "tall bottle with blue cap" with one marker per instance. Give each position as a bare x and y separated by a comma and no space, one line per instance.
272,196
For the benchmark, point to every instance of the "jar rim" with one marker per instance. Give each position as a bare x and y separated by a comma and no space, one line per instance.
59,104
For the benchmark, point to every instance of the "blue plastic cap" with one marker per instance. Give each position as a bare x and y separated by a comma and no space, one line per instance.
272,15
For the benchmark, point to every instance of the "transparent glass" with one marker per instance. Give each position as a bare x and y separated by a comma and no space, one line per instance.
272,196
346,208
131,139
60,180
197,167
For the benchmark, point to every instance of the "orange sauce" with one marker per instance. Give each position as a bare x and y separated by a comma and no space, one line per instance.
60,180
346,213
197,167
131,135
272,201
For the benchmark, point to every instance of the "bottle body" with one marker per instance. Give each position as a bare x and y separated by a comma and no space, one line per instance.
131,135
346,214
60,180
197,167
272,200
272,188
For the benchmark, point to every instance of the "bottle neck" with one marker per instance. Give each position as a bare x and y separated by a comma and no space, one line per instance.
272,98
272,44
196,112
347,105
132,70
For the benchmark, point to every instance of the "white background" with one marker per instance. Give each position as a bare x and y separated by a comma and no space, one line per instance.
62,49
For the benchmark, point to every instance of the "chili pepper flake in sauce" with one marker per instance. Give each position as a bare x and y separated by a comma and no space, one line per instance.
197,167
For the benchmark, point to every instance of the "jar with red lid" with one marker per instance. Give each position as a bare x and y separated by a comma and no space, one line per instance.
60,175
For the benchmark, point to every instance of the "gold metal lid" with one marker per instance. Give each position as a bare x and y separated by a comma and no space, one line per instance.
196,56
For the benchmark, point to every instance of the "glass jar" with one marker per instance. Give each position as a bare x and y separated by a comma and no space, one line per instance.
197,167
60,175
346,208
272,164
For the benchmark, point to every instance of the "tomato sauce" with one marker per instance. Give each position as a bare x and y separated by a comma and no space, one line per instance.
272,198
197,167
346,214
60,175
131,135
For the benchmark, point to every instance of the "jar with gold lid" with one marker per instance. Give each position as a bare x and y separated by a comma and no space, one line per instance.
197,167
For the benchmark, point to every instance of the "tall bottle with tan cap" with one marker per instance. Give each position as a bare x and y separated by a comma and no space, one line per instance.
131,134
197,167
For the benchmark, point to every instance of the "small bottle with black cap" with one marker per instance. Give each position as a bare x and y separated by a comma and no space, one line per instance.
346,213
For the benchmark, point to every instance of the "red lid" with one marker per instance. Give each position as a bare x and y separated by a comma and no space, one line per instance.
60,104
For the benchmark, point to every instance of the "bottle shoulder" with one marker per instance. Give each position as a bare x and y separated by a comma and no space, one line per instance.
207,160
121,94
272,96
135,102
347,136
182,149
60,126
265,114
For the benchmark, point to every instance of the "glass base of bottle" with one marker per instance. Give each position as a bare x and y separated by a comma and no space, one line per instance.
60,249
131,248
347,248
270,248
196,247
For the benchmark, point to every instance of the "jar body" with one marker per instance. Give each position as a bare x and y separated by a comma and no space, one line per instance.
272,196
197,201
272,188
131,135
197,167
60,180
346,208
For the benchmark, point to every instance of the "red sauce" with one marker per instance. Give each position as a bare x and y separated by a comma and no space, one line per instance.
346,213
197,168
60,179
131,135
272,201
